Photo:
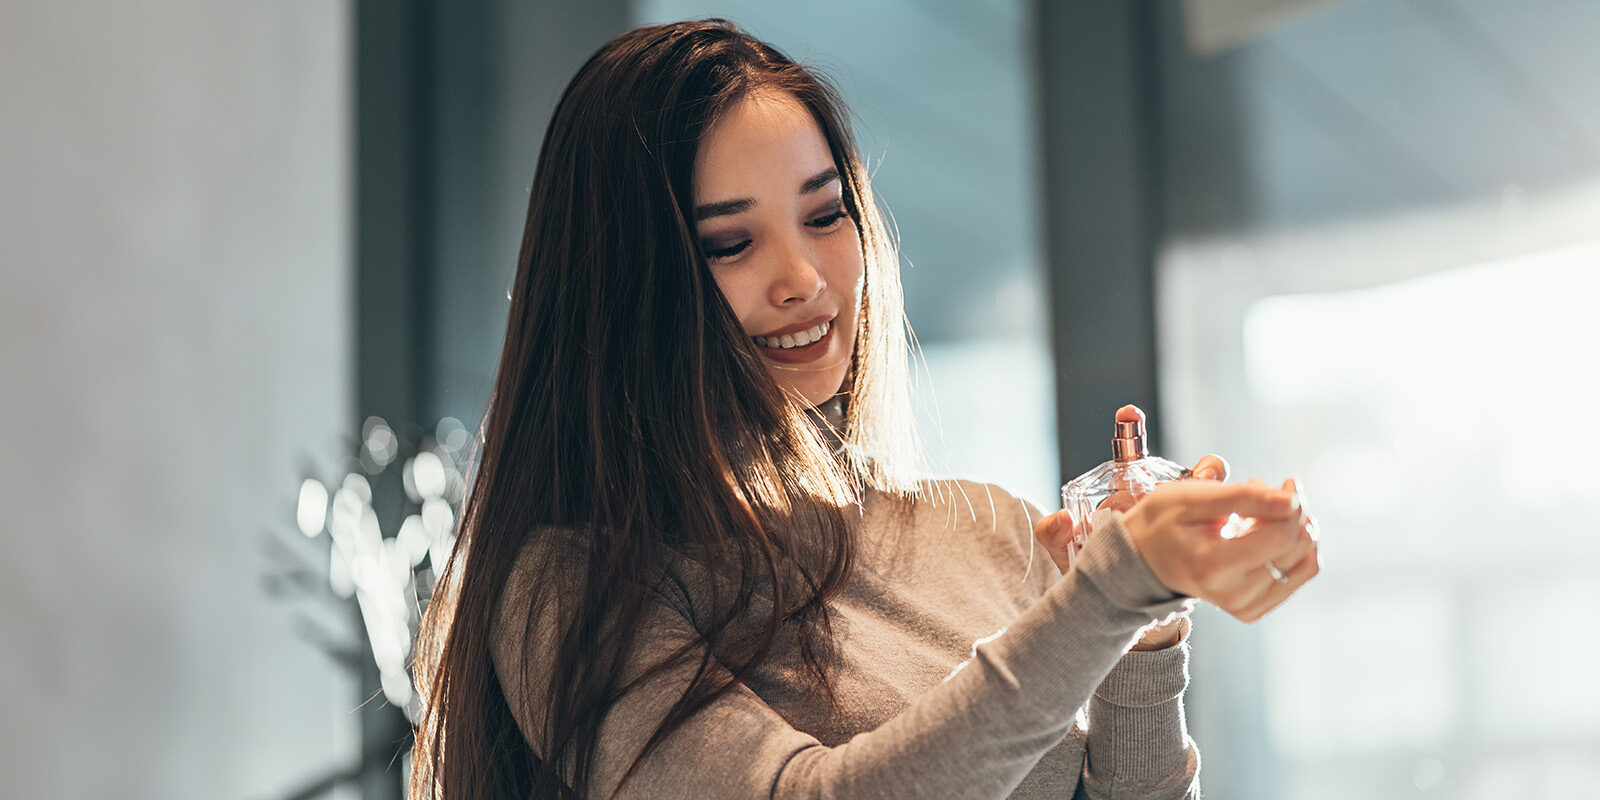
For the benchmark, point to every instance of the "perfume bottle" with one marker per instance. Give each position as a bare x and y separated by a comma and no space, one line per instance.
1117,484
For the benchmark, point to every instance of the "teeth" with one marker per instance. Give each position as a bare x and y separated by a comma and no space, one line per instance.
790,340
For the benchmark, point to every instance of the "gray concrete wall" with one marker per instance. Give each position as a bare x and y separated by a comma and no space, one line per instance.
174,335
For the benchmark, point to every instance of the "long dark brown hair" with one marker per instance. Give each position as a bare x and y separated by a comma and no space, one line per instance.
632,409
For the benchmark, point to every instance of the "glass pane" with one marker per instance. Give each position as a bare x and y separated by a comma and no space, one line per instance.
1442,425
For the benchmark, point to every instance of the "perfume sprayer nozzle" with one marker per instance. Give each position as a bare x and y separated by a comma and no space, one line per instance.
1128,445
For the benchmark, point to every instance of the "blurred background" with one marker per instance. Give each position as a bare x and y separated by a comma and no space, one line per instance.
256,258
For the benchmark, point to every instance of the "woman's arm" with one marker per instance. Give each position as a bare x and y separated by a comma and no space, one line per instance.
1137,744
976,735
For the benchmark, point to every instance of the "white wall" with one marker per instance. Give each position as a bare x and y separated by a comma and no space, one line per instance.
174,336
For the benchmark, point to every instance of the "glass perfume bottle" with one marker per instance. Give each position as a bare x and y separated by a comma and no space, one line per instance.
1117,484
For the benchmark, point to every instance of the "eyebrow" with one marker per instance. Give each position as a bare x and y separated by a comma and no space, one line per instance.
743,204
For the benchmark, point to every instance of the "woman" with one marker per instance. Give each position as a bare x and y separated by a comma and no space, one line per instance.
696,561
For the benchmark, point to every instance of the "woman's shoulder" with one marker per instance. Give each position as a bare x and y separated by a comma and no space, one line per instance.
552,564
975,502
983,526
972,510
545,552
548,548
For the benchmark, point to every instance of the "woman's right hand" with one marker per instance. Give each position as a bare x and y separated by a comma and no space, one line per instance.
1177,529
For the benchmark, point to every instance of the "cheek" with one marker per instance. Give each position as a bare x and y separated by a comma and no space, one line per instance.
742,293
846,269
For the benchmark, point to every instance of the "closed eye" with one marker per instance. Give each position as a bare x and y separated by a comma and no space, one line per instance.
718,253
828,220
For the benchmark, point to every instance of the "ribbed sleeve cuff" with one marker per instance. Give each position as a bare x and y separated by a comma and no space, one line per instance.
1144,678
1138,743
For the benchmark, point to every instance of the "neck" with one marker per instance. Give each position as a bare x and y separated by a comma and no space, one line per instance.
828,416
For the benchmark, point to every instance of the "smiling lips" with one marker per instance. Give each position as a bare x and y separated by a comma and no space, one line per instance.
809,343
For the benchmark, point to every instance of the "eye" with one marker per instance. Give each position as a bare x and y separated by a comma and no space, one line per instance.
720,253
828,220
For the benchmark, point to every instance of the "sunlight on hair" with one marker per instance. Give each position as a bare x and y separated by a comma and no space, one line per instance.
455,488
440,550
397,688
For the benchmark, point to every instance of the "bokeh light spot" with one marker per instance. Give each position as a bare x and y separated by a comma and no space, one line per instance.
312,513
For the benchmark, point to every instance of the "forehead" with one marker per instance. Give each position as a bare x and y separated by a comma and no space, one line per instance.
767,141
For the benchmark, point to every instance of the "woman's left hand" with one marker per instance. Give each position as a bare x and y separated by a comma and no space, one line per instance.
1055,532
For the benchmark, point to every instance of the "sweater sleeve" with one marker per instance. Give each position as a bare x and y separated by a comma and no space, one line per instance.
1138,744
976,735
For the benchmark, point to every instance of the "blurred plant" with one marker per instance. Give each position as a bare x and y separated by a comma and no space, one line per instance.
390,576
382,577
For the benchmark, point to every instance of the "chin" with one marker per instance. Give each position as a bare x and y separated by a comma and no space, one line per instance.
816,392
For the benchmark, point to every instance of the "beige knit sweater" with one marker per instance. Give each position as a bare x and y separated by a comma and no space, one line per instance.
966,667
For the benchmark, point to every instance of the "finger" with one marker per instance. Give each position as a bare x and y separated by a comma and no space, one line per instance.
1247,591
1055,525
1283,575
1294,485
1058,535
1277,593
1266,541
1203,501
1211,467
1303,545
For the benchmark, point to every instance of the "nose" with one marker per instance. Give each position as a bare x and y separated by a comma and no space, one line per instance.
796,279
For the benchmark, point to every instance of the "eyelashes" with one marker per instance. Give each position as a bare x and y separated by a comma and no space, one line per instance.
717,254
826,222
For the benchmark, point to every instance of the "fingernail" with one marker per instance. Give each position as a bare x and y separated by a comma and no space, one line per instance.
1299,495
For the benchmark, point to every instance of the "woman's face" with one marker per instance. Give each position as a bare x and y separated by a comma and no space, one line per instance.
771,221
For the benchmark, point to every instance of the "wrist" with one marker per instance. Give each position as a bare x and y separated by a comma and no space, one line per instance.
1161,636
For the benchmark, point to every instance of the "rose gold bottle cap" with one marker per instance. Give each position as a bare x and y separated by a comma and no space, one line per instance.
1128,444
